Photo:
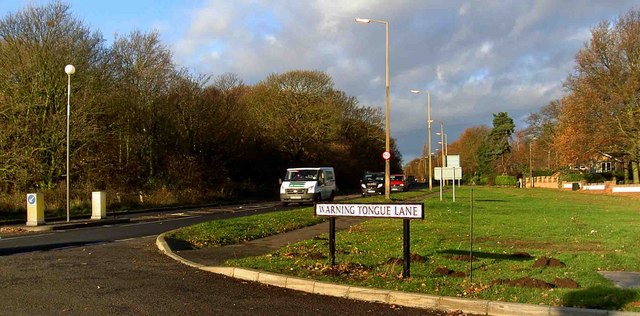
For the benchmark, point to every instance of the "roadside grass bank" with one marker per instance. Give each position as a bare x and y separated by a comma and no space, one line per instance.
236,230
530,246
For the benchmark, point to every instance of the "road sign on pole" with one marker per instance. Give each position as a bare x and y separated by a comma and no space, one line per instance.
386,155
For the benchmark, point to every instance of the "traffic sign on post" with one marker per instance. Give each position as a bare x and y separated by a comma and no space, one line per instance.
386,155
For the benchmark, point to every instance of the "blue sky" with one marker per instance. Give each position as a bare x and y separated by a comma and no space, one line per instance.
475,57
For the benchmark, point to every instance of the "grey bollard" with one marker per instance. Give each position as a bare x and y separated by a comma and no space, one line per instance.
98,205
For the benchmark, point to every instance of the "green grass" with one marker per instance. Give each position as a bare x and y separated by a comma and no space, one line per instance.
236,230
587,232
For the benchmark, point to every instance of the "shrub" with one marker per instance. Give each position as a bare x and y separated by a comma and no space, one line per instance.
506,180
594,178
543,173
571,176
477,180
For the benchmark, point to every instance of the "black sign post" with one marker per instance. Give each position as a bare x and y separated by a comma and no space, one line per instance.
406,227
406,211
332,240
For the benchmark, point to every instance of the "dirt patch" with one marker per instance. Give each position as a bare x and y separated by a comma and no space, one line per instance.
566,283
395,261
12,230
352,270
417,258
535,283
521,255
593,246
449,272
548,262
316,256
525,282
462,258
414,258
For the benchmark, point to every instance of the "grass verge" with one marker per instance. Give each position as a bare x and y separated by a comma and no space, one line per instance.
514,229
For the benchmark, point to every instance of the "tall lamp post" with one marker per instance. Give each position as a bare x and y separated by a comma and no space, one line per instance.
441,134
445,157
428,133
70,70
387,167
531,164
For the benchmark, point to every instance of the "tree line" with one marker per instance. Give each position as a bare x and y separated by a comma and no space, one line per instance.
139,122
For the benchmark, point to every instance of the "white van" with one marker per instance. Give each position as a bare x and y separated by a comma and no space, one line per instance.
308,185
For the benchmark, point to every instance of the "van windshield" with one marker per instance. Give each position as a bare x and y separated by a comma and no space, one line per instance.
301,175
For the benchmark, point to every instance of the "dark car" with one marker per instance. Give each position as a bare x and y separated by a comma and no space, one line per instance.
372,183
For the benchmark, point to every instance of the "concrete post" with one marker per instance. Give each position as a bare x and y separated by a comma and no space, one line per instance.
35,209
98,205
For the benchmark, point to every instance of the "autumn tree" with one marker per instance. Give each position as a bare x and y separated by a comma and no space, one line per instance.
139,123
603,108
143,69
467,146
35,45
543,127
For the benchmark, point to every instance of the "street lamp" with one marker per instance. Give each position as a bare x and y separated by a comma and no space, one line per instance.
531,164
441,134
428,133
70,70
445,158
387,167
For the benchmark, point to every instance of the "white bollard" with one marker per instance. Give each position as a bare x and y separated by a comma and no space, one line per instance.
98,205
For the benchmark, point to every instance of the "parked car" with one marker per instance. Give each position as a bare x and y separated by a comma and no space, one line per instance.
397,183
372,183
411,181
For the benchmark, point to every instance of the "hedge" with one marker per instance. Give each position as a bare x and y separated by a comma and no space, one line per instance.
506,180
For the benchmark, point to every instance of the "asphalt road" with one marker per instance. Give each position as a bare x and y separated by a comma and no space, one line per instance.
118,270
143,224
132,278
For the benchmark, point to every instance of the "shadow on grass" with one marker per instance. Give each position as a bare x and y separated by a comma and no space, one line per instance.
179,244
489,255
600,297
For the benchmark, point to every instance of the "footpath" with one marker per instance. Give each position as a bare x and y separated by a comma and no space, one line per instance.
212,260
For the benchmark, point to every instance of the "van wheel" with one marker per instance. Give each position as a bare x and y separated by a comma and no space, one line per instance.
332,196
285,203
317,197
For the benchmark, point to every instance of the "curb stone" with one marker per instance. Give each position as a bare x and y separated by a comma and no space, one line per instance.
415,300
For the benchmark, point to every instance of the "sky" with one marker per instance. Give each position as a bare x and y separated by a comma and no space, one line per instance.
475,58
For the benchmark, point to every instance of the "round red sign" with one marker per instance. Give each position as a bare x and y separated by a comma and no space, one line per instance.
386,155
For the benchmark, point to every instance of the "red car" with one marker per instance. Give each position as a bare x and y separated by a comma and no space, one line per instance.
397,183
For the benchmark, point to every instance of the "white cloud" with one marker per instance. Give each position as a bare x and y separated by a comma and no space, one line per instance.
477,58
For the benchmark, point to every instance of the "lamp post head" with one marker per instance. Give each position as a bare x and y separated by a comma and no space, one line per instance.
69,69
360,20
415,91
